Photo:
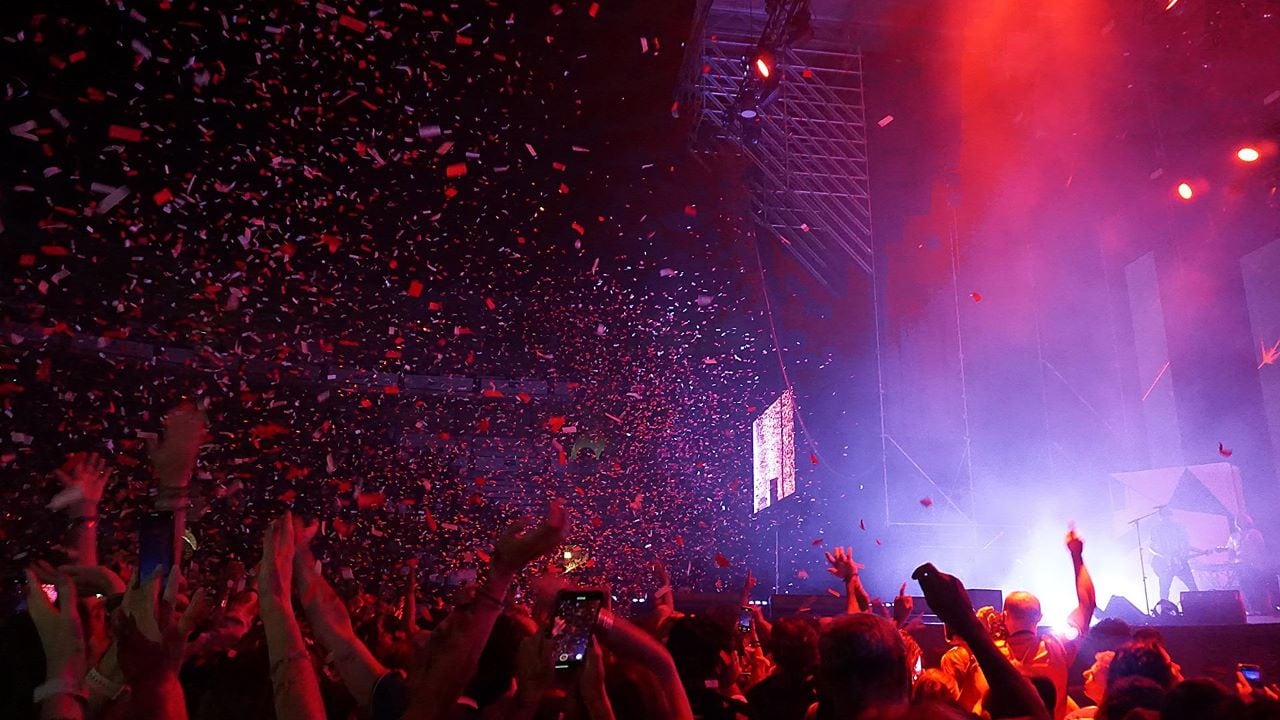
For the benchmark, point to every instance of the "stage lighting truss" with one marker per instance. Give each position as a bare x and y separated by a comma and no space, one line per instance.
802,125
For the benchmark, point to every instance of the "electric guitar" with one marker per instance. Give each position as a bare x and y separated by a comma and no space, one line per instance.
1165,565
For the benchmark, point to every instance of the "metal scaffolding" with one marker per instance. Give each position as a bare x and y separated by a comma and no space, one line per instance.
807,147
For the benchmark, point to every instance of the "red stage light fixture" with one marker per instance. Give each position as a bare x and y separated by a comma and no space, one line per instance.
1185,192
1248,154
765,63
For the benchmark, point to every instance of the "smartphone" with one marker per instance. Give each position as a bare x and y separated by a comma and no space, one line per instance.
744,620
155,543
1251,673
576,613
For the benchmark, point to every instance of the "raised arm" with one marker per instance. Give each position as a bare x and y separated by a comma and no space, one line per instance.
630,643
331,623
1086,595
454,650
293,679
843,567
62,695
1011,694
82,484
174,460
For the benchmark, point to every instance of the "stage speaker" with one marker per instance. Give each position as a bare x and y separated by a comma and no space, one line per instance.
1119,607
1213,607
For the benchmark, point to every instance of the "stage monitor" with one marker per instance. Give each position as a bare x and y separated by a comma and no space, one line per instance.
774,452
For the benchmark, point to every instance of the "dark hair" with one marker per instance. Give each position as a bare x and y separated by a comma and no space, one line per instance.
863,663
1112,628
1136,660
794,644
1200,700
1129,694
1148,636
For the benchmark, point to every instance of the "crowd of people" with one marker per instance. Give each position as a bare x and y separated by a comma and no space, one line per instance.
133,637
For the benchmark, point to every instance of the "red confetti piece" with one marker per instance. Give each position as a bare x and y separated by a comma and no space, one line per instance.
556,423
163,197
54,250
813,458
287,496
434,306
353,24
926,501
862,524
817,542
128,134
833,592
456,170
370,500
578,229
484,556
722,561
1224,452
415,290
491,393
593,9
27,260
267,431
977,296
878,541
691,210
77,56
489,303
462,40
680,540
524,397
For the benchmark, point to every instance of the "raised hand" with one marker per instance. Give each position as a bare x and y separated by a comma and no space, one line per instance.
94,579
174,457
152,637
748,584
902,606
275,578
83,482
660,574
517,548
59,627
842,564
1075,544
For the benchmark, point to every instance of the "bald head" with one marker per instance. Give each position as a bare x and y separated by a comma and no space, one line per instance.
1021,611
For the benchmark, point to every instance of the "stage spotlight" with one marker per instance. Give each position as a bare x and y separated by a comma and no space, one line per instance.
1248,154
764,64
1185,192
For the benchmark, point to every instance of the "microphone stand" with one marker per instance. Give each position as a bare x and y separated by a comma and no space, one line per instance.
1142,558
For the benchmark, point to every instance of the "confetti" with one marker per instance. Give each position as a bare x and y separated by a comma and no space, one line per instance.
1223,451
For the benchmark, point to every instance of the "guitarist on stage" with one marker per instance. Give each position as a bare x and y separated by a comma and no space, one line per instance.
1172,551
